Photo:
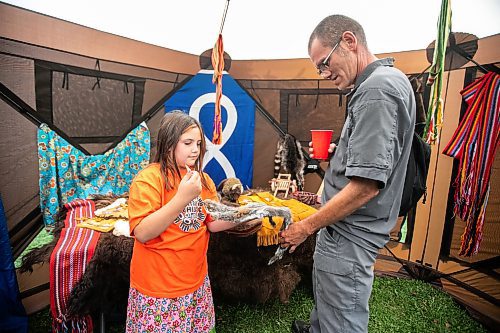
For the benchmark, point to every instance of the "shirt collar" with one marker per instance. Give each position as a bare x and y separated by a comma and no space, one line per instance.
369,70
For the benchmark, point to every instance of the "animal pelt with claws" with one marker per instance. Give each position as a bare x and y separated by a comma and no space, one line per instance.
290,158
230,190
249,212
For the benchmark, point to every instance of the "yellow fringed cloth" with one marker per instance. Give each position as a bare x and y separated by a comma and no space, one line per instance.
268,235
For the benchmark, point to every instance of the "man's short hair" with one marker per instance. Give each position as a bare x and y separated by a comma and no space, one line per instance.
330,30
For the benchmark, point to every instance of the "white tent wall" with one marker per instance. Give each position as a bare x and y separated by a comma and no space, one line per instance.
34,29
37,29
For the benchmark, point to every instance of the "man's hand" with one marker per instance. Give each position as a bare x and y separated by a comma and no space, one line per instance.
295,235
331,148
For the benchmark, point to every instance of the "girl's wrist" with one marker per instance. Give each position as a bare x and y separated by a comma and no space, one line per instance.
180,201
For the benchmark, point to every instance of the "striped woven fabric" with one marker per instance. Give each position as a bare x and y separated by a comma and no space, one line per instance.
68,261
474,143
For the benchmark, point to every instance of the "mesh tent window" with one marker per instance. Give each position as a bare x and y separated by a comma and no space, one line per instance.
89,106
91,103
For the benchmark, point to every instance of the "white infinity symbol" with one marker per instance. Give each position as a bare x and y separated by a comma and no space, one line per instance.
213,150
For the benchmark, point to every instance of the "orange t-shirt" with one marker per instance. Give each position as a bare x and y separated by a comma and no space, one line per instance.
174,263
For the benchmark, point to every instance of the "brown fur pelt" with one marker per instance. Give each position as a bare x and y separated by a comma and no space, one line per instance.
104,285
239,272
105,282
229,190
246,229
42,254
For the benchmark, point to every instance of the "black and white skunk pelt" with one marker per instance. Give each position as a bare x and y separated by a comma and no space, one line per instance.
290,158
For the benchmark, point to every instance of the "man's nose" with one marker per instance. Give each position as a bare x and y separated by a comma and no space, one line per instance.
326,74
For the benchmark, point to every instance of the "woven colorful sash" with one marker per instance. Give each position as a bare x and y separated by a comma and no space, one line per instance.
474,143
68,261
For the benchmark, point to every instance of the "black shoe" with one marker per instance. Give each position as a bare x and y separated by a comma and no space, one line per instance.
299,326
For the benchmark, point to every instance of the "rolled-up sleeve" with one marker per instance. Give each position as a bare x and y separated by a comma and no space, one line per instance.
371,144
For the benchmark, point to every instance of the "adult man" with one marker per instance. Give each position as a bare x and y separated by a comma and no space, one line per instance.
364,182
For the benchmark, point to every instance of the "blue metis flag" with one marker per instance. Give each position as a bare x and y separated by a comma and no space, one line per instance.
234,157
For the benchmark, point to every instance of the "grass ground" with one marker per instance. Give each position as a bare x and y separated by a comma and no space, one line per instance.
396,305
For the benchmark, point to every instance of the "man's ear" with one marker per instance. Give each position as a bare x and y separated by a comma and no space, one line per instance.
350,40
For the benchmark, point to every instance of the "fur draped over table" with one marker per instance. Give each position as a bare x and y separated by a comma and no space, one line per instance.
238,269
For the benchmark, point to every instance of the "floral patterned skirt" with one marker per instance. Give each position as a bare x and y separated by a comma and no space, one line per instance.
190,313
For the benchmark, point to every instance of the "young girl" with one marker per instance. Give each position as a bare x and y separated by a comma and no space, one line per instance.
169,285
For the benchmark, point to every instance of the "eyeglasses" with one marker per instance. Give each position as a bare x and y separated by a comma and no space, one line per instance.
325,64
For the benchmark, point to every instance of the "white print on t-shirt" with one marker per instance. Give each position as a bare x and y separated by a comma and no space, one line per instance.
192,217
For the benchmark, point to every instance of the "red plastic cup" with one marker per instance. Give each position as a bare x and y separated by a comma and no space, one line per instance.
321,142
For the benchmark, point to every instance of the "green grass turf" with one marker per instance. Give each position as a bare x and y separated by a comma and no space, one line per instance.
396,305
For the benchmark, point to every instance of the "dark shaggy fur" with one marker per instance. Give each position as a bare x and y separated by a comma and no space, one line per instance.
42,254
104,285
238,269
105,282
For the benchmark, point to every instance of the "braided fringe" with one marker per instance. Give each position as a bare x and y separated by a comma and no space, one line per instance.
474,143
73,325
267,240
